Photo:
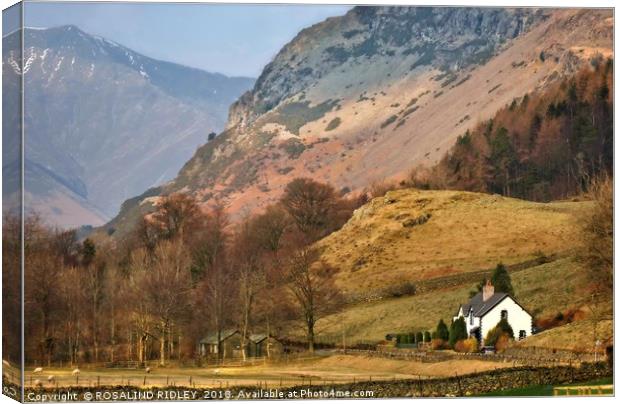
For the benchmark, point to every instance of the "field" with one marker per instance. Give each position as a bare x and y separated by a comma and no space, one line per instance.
546,390
302,371
444,242
543,290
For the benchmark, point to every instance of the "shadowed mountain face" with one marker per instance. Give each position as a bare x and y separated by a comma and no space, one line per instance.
104,123
374,93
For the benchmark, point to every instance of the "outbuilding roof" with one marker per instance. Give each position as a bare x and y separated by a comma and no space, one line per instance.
212,338
258,338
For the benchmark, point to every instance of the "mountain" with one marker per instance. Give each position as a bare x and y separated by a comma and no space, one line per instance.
103,123
372,94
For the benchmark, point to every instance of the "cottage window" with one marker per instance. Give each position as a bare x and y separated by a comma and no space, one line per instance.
504,314
471,318
521,334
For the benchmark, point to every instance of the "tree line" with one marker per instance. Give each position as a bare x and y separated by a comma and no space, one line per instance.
544,146
186,271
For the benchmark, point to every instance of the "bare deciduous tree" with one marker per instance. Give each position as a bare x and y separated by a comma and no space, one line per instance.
311,282
212,267
310,204
598,233
166,285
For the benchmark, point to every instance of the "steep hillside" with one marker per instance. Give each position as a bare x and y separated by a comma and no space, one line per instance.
412,235
544,290
541,147
371,94
445,243
103,123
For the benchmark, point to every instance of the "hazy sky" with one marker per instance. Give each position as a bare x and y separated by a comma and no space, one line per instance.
11,18
225,38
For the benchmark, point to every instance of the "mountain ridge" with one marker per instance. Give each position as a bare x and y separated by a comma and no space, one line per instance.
121,121
376,112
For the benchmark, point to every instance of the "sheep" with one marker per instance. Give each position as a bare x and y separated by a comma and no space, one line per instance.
51,379
75,372
147,370
216,371
38,383
37,370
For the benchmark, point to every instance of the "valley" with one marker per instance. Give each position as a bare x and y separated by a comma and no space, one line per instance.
389,169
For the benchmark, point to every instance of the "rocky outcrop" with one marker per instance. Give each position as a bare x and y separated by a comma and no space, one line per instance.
445,37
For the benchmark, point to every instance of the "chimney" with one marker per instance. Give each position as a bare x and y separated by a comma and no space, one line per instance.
487,291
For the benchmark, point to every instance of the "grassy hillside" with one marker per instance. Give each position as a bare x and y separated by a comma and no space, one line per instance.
412,235
445,242
544,290
578,336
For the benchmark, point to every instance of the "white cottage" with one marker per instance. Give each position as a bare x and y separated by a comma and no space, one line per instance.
487,308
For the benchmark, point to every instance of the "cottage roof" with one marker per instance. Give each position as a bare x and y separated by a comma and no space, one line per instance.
212,337
480,307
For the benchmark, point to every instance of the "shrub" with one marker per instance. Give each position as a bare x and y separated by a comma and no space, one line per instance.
468,345
293,147
380,188
410,111
344,190
561,318
437,344
389,121
501,329
442,332
458,331
333,124
492,336
285,170
505,327
427,336
399,290
503,342
501,280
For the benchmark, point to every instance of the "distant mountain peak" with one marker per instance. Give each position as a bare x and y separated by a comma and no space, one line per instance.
103,122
